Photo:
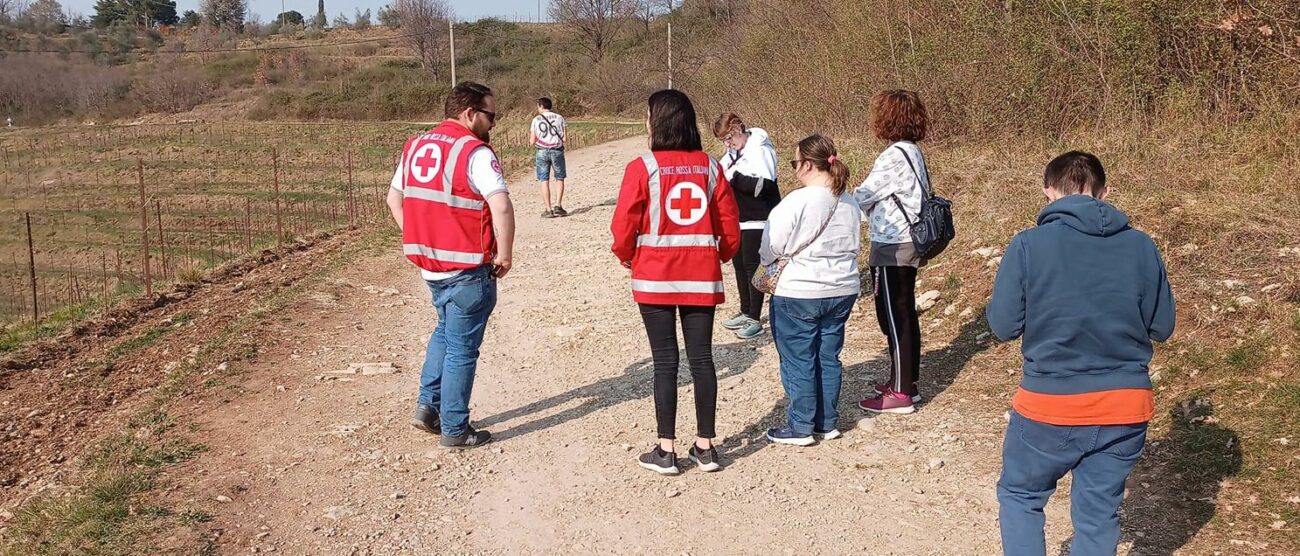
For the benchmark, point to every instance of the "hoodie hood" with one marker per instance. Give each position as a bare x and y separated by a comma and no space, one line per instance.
1085,214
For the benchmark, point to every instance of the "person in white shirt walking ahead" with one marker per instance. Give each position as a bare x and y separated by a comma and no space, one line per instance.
750,167
891,197
547,135
816,229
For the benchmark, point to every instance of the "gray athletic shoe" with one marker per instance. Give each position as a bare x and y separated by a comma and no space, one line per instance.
736,323
750,331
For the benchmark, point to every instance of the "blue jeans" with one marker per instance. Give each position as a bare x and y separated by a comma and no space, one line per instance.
1036,455
809,336
548,159
464,303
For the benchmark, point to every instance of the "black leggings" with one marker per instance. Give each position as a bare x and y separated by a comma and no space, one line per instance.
896,310
697,327
746,264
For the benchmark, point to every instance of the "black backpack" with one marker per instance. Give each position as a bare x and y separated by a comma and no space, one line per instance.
932,232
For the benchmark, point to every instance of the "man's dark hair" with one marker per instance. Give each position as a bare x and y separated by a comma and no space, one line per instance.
466,94
1075,172
672,122
544,102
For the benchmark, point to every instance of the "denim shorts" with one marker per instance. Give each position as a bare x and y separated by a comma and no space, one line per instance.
548,159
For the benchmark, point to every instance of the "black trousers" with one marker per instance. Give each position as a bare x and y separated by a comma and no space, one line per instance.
895,293
746,264
697,327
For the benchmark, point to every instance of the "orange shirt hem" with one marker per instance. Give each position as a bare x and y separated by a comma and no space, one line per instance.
1108,407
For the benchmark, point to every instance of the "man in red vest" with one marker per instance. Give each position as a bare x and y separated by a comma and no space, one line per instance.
450,200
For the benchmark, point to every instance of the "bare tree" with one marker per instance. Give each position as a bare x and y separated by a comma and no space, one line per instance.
425,26
226,14
45,16
596,22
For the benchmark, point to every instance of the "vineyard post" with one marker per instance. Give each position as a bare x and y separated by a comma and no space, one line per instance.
144,230
352,203
162,241
31,268
248,223
275,178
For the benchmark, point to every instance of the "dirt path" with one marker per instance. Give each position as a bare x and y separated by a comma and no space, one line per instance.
323,466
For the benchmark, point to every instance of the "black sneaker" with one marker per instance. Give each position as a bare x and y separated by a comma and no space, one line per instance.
548,213
471,439
426,419
707,460
559,211
659,461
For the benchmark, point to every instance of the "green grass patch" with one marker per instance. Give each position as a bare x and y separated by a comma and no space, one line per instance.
105,516
50,325
1249,354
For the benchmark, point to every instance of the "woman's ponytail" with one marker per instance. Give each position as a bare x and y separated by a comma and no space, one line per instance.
820,151
840,172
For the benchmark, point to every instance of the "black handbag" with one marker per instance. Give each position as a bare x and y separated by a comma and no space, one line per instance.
933,230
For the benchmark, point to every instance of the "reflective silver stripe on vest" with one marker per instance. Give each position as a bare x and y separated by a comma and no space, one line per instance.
444,197
442,254
676,286
713,178
652,172
685,240
449,169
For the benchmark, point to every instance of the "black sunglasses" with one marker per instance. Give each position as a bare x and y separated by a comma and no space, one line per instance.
492,116
794,164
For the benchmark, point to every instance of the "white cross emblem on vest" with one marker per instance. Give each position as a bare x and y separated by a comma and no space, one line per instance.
686,204
426,162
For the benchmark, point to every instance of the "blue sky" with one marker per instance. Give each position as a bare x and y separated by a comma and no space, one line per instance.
466,10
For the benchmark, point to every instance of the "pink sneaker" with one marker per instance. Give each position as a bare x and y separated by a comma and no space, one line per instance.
882,387
888,401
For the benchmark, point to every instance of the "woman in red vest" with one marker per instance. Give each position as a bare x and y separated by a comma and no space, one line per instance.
676,222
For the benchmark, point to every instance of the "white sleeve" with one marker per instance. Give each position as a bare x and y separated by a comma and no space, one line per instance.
883,179
768,153
564,129
777,232
396,183
485,173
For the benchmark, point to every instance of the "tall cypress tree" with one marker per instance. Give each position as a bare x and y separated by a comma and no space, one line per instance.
319,21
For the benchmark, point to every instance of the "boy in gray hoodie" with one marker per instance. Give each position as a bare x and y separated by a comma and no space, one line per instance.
1089,294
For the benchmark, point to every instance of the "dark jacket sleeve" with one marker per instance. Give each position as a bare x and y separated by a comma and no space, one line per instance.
1006,309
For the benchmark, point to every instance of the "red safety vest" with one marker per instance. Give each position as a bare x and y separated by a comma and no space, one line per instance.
677,221
447,225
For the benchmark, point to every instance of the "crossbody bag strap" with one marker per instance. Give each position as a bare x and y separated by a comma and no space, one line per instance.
925,193
819,230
